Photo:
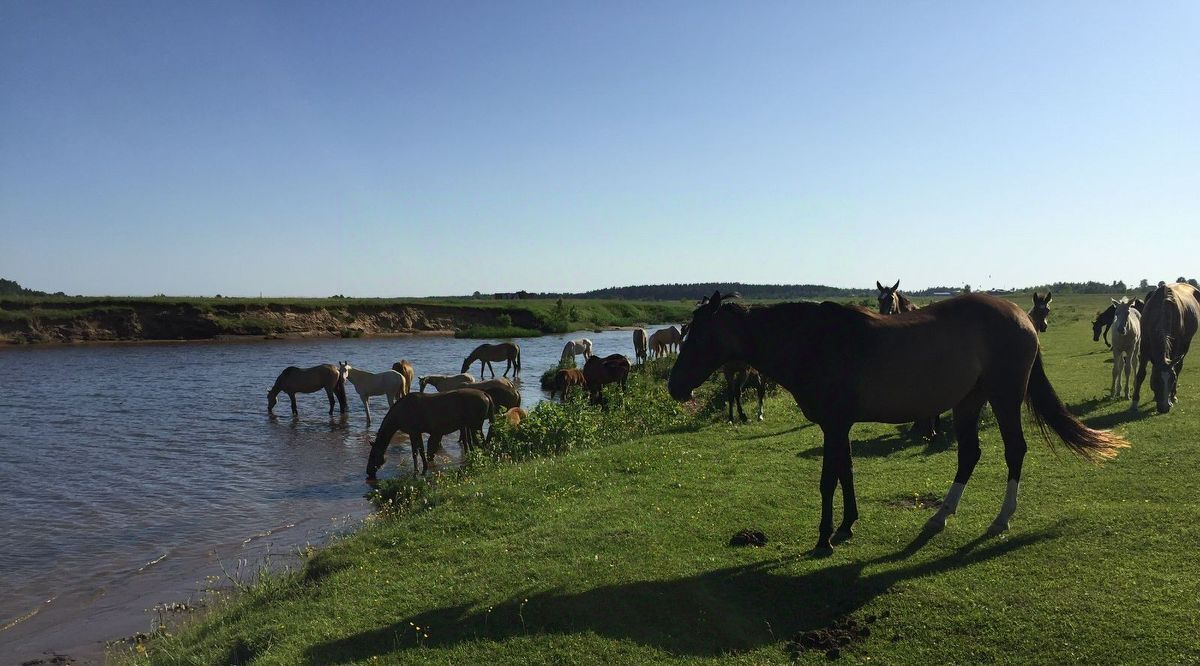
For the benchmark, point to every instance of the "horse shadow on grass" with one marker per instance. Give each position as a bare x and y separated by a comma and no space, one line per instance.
904,438
1082,410
723,611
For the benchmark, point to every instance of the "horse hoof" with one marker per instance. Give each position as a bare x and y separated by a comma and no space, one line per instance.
937,522
843,534
824,549
997,528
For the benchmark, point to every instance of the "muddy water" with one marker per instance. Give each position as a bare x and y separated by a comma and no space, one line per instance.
137,475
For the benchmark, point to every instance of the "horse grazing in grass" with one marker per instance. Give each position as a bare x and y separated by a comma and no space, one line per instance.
435,414
640,344
891,301
574,348
565,379
486,353
295,380
739,375
445,383
410,374
1040,312
597,372
1169,321
1126,342
856,366
388,383
665,341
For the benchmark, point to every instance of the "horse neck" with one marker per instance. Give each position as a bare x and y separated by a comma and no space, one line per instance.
758,333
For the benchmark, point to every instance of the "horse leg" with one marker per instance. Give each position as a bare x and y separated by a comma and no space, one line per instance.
1175,384
741,387
366,405
1118,364
729,395
966,430
328,394
296,412
1130,362
836,452
1137,383
1008,417
762,393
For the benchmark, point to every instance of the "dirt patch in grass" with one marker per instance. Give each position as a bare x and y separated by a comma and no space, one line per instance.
748,538
915,501
835,638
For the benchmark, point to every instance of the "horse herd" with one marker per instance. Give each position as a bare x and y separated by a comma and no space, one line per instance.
842,364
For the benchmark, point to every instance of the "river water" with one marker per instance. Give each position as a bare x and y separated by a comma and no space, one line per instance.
139,474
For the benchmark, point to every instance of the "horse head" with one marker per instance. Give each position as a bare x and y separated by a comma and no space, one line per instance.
889,303
344,368
1040,311
1163,379
1121,314
272,398
711,341
423,380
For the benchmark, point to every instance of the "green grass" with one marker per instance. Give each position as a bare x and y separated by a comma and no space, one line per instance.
616,552
480,332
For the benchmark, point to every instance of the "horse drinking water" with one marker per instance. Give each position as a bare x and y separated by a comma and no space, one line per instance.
845,365
486,353
295,380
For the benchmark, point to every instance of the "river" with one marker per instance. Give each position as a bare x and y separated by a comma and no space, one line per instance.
134,475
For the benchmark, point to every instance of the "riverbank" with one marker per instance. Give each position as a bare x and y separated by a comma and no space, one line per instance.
620,552
69,320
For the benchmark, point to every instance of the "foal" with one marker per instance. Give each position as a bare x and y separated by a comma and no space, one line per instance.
1126,342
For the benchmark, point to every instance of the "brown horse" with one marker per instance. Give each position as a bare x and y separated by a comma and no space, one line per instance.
565,379
739,375
1040,312
502,391
598,371
486,353
410,374
295,380
891,301
438,415
845,366
1169,321
640,344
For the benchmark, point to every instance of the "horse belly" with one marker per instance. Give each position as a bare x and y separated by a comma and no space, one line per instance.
916,388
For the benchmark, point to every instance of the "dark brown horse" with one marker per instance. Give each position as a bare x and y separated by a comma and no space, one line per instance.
843,366
1169,321
295,380
565,379
438,415
891,301
1040,312
611,369
739,375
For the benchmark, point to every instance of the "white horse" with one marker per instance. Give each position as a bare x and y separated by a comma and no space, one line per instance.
445,383
1126,342
665,341
575,347
389,383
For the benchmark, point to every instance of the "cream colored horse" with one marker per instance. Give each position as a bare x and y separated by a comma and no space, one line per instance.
665,341
1126,342
445,383
387,383
575,347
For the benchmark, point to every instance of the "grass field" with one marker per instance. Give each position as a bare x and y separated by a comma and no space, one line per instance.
618,552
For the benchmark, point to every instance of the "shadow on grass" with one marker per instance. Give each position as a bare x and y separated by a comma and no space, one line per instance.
905,438
1106,421
717,612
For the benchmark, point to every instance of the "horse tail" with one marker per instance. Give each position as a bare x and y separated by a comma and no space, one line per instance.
1050,413
518,358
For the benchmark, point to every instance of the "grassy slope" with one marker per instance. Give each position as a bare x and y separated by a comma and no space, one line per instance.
621,553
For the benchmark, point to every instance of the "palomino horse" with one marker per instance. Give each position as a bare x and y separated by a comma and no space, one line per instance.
486,353
665,340
445,383
845,365
611,369
388,383
410,374
1169,321
1126,342
891,301
640,344
574,348
438,415
739,375
295,380
1040,311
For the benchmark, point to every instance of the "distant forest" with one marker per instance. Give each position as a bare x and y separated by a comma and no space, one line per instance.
11,288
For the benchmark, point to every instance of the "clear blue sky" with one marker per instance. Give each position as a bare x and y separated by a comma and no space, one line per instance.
379,149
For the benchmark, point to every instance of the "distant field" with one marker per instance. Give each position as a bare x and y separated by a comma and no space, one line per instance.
618,553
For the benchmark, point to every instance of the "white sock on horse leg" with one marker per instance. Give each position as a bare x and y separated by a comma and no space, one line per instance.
949,505
1007,509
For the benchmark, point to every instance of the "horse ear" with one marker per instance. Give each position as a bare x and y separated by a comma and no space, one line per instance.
878,286
715,299
1049,298
1114,301
896,286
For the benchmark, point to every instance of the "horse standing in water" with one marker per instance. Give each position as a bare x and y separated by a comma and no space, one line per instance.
295,380
389,383
1040,312
1169,321
1126,342
856,365
486,353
